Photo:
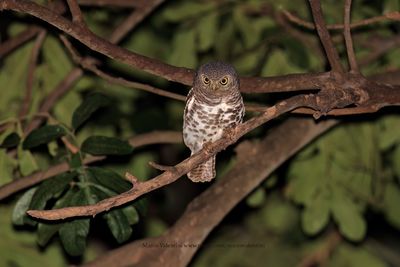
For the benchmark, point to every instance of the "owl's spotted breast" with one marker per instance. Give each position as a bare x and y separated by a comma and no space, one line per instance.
212,105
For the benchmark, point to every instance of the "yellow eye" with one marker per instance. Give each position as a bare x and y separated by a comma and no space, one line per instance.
206,80
224,81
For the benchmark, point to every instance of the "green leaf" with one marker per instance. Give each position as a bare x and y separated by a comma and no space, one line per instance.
278,63
19,213
348,217
102,145
186,10
47,229
43,135
26,161
109,179
119,225
7,165
391,204
76,161
297,53
257,198
346,255
249,34
49,189
389,128
184,49
206,31
89,105
316,215
73,234
131,214
12,140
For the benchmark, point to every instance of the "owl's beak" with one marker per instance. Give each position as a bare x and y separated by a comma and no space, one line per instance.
214,86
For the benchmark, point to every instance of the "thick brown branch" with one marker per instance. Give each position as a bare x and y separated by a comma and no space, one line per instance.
330,50
157,137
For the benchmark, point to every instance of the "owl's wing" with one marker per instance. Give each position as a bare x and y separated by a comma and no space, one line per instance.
189,97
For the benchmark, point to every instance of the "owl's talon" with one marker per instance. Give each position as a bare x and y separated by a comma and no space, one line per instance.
230,133
207,147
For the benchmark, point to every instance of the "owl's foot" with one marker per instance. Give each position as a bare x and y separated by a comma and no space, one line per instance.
230,133
207,147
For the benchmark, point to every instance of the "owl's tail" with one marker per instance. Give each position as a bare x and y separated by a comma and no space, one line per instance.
205,172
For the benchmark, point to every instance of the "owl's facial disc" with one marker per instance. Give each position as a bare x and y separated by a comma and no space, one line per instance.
217,84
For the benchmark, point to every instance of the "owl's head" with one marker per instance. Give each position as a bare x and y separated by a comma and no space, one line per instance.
216,77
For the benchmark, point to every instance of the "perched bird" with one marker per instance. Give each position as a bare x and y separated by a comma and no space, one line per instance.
213,105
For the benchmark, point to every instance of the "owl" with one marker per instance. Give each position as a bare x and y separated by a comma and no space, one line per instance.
213,105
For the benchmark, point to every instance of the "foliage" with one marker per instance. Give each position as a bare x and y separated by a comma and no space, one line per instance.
81,185
348,179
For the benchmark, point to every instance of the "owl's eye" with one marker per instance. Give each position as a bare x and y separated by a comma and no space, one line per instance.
206,80
224,81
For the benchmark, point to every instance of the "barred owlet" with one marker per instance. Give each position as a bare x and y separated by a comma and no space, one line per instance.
212,105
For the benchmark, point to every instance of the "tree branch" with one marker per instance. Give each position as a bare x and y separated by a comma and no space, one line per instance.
133,19
31,72
366,22
76,12
21,38
330,50
347,37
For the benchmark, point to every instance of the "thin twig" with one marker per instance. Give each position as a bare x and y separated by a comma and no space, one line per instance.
320,256
21,38
366,22
330,50
160,167
114,3
347,37
31,72
76,12
134,19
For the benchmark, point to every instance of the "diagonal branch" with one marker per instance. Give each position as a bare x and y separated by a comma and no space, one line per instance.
330,50
31,72
134,18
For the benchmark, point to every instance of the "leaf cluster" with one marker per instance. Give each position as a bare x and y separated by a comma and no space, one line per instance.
81,185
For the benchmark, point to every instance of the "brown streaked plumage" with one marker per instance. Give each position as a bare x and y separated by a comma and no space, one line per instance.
212,105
